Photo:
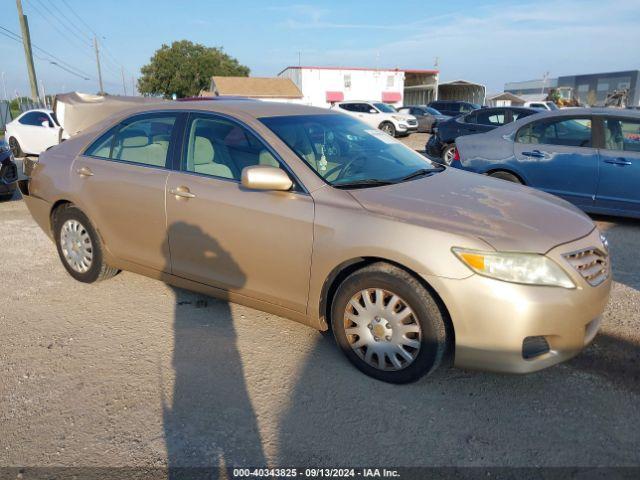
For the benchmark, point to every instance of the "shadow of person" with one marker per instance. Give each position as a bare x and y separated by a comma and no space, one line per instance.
209,422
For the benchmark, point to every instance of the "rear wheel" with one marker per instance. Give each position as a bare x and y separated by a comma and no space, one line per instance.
448,153
388,128
509,177
388,325
15,147
79,246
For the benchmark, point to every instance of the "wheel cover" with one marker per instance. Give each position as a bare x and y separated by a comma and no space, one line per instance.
382,329
76,246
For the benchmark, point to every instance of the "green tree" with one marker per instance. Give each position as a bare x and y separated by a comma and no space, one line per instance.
185,68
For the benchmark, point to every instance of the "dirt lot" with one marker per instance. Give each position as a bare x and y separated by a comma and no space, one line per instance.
133,372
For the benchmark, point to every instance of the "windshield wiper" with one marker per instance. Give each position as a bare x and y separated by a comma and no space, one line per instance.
419,173
368,182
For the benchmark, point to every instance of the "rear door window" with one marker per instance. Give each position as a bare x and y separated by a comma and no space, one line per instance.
144,140
490,117
34,119
568,132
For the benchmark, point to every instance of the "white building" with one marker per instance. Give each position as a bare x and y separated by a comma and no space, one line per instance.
320,86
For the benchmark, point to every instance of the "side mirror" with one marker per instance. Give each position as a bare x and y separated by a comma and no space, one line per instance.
45,124
373,110
265,177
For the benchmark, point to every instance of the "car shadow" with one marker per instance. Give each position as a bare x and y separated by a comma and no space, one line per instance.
623,235
209,420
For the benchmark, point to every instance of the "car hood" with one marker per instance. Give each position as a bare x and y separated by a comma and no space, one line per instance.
505,215
442,118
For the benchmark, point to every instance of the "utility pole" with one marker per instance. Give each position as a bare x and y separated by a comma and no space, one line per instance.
133,86
95,44
26,41
124,86
4,87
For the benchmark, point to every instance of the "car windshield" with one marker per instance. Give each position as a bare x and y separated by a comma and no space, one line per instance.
552,106
55,119
432,111
384,108
345,152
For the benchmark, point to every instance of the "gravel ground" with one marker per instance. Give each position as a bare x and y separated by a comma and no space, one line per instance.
132,372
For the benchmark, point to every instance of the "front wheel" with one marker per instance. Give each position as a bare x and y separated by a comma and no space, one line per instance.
15,148
388,324
388,128
79,246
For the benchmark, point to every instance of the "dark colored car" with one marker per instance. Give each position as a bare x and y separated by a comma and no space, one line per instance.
590,157
441,143
8,172
427,117
453,108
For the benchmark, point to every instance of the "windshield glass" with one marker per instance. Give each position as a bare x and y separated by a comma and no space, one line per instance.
343,150
552,106
384,108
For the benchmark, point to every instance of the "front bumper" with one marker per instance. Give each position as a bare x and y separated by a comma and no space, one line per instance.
495,321
405,128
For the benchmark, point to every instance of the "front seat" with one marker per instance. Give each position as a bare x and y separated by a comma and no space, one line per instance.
203,160
298,142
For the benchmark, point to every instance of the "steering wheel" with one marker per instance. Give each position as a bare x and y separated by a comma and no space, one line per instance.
344,168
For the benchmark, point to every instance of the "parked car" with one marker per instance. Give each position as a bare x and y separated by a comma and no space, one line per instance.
33,132
315,216
8,172
454,108
541,105
379,115
441,144
590,157
427,117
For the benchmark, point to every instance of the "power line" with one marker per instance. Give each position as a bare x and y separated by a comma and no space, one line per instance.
69,21
17,37
62,33
71,30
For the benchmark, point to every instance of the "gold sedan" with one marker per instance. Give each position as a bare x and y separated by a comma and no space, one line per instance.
314,216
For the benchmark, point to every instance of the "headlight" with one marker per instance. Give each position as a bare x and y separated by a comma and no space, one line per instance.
527,268
399,118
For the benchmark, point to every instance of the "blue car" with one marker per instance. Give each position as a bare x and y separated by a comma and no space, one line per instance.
590,157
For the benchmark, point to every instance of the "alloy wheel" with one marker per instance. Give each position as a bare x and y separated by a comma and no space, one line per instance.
382,329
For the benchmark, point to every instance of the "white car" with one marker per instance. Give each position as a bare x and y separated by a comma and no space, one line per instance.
542,105
380,115
33,132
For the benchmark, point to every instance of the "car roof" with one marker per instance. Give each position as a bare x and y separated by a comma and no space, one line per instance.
586,111
252,108
45,110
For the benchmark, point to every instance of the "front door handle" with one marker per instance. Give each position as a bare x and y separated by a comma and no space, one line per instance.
182,192
84,172
618,161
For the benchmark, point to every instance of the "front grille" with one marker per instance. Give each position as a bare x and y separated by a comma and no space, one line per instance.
591,263
412,122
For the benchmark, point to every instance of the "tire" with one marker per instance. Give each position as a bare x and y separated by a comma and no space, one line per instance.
388,127
15,147
509,177
447,153
77,230
423,326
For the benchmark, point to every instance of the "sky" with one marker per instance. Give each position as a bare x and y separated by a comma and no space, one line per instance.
489,42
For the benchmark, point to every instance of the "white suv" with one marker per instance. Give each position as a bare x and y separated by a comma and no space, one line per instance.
379,115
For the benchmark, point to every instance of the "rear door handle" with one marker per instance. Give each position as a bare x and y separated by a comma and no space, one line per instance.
84,172
534,154
618,161
182,191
